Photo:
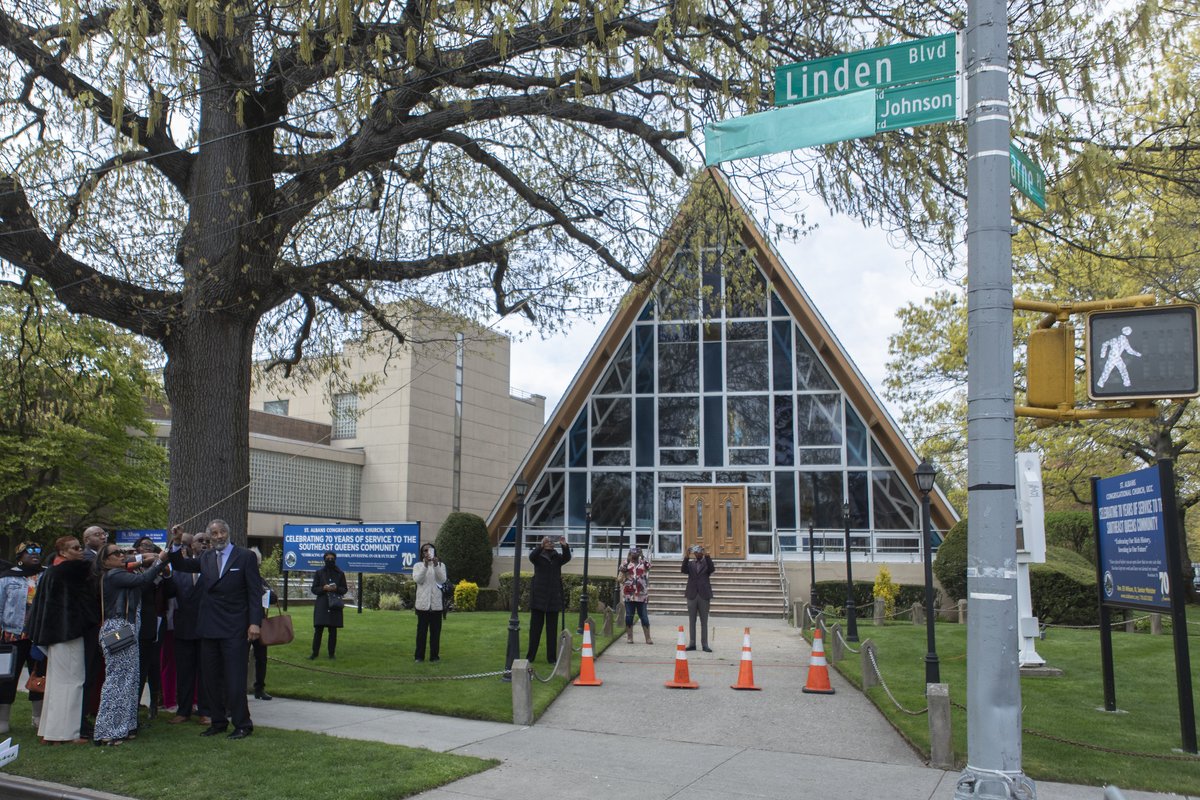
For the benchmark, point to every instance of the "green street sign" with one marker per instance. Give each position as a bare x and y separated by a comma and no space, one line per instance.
1026,176
917,104
877,68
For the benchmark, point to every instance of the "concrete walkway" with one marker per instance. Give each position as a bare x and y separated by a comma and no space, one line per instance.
700,744
633,735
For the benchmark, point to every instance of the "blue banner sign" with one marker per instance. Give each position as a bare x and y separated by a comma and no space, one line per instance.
1133,540
375,547
125,537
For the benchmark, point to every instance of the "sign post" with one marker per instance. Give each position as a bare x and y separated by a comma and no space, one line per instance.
1138,566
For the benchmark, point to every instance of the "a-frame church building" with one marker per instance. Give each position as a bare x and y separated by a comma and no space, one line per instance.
718,408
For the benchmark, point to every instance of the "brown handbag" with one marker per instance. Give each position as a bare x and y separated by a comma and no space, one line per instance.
276,630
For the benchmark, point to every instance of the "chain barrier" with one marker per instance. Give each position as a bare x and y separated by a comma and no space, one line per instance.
1113,624
392,678
888,691
1097,747
846,644
557,663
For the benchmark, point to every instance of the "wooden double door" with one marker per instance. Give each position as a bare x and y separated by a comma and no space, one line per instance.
715,518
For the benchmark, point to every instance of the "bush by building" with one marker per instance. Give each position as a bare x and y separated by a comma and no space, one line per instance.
463,546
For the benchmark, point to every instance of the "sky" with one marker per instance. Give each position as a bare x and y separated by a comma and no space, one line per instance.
855,277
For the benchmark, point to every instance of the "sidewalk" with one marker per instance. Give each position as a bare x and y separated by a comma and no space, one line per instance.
711,743
700,744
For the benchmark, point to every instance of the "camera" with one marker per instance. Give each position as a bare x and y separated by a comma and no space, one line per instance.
432,553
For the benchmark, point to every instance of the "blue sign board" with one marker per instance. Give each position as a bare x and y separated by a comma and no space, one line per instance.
1133,540
125,537
375,547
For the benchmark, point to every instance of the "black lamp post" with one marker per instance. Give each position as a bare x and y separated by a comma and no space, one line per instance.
587,545
926,474
812,557
514,622
851,611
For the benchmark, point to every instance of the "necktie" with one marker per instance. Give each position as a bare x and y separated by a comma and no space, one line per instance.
220,563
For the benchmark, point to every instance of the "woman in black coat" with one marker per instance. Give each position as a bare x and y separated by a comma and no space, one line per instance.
329,585
546,595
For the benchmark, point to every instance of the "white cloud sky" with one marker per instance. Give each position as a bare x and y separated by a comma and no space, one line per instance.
855,277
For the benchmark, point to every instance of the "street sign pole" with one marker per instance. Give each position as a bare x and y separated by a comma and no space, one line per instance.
993,768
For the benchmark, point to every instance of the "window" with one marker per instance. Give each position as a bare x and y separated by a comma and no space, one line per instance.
345,416
279,407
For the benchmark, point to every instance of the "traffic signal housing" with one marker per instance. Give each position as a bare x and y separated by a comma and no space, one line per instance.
1050,358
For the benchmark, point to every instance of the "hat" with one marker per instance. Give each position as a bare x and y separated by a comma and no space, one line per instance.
23,546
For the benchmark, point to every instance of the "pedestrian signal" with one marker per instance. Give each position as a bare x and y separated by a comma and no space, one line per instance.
1143,353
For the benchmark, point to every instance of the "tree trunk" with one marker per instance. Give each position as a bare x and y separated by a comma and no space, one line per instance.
207,380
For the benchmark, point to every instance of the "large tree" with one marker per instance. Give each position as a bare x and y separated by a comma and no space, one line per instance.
75,444
217,176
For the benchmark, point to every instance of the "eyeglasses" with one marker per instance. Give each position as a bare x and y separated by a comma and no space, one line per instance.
75,547
34,550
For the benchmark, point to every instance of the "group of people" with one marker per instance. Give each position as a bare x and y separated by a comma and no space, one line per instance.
96,623
547,598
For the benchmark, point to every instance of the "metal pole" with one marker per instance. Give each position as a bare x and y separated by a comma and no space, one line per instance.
932,672
812,565
851,611
514,622
587,546
993,683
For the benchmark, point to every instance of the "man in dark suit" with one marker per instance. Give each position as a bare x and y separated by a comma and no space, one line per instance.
230,614
189,588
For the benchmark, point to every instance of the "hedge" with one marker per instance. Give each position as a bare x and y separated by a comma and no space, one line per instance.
602,588
463,546
833,593
375,585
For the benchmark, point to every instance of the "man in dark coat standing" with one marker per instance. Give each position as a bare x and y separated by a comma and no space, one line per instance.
189,588
230,617
546,595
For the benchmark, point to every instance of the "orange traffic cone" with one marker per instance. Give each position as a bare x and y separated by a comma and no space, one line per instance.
818,670
587,670
682,681
746,671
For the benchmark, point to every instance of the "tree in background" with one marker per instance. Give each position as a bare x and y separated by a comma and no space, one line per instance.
225,176
76,447
463,545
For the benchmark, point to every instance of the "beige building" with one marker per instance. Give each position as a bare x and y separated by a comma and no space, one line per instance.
437,429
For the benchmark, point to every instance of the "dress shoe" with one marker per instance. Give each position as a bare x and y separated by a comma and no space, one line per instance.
707,649
178,718
263,696
434,660
213,730
313,657
240,733
690,647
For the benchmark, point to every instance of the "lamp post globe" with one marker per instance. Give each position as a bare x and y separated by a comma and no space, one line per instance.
587,546
514,622
851,610
926,475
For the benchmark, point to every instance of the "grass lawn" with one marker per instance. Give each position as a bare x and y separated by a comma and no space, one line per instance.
165,758
375,667
1137,748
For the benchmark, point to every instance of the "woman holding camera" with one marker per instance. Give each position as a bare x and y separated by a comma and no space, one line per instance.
329,585
429,574
635,591
121,589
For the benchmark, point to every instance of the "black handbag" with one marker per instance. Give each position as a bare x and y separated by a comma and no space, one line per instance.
334,601
121,638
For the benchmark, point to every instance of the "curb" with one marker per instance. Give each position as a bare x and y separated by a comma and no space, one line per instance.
13,787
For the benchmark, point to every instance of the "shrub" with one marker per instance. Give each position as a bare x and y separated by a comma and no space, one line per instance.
390,602
951,564
506,590
1063,590
833,594
1072,530
269,569
594,597
373,586
463,546
465,596
408,593
886,590
488,600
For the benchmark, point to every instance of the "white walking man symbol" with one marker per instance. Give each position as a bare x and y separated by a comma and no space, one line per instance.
1114,349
